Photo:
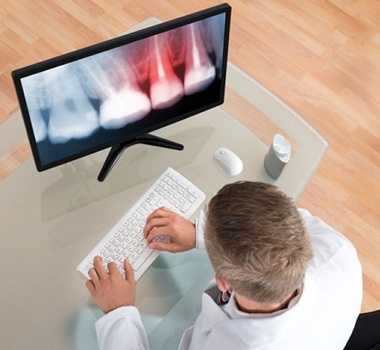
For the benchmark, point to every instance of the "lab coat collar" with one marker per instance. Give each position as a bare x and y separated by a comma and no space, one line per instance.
212,314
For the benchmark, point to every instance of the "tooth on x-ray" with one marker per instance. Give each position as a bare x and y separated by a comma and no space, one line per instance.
113,82
166,88
200,72
69,118
122,107
212,31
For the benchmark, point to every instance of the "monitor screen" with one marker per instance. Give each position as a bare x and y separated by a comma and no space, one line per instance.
124,88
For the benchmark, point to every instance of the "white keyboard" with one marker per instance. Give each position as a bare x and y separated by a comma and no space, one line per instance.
126,238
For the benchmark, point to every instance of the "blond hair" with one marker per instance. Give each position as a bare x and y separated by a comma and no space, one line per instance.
256,241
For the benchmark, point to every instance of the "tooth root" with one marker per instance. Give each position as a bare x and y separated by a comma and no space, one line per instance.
166,88
137,56
175,44
200,72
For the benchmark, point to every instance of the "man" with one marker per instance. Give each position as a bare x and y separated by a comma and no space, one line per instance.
283,278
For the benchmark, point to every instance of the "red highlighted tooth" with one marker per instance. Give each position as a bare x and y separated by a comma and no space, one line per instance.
166,88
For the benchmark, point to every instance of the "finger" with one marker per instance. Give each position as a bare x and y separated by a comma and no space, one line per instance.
160,212
129,273
93,276
100,270
166,210
156,232
154,223
149,226
90,286
163,246
112,269
154,214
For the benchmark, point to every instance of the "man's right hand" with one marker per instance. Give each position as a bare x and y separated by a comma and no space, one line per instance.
164,222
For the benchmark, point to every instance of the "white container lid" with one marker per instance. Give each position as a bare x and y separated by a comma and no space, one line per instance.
282,148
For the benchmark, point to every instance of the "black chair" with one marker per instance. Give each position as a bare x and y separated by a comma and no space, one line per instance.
366,334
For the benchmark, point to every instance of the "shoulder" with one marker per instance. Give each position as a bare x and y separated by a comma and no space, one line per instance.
333,284
323,236
333,252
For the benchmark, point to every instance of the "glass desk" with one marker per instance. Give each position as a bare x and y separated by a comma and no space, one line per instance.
51,220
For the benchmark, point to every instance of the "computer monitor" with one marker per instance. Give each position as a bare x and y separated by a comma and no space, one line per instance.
115,93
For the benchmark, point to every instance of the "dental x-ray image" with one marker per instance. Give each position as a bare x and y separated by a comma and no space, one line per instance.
108,96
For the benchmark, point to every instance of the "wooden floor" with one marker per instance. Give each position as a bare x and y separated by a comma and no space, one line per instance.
322,57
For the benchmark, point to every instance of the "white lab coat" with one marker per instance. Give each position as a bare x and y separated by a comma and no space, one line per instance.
321,317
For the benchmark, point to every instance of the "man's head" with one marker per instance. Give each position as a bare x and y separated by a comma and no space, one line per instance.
256,241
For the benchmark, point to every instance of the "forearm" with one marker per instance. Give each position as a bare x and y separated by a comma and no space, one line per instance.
121,329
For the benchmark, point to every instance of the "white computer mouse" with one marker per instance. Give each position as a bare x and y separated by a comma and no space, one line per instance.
228,161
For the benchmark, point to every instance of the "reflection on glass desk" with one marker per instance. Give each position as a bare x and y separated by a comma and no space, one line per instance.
51,220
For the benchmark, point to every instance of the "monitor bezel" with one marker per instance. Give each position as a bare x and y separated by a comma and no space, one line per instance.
124,39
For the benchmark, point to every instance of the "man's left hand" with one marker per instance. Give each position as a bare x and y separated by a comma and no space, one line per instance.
111,290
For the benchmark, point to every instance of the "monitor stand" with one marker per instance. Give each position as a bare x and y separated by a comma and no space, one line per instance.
117,150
